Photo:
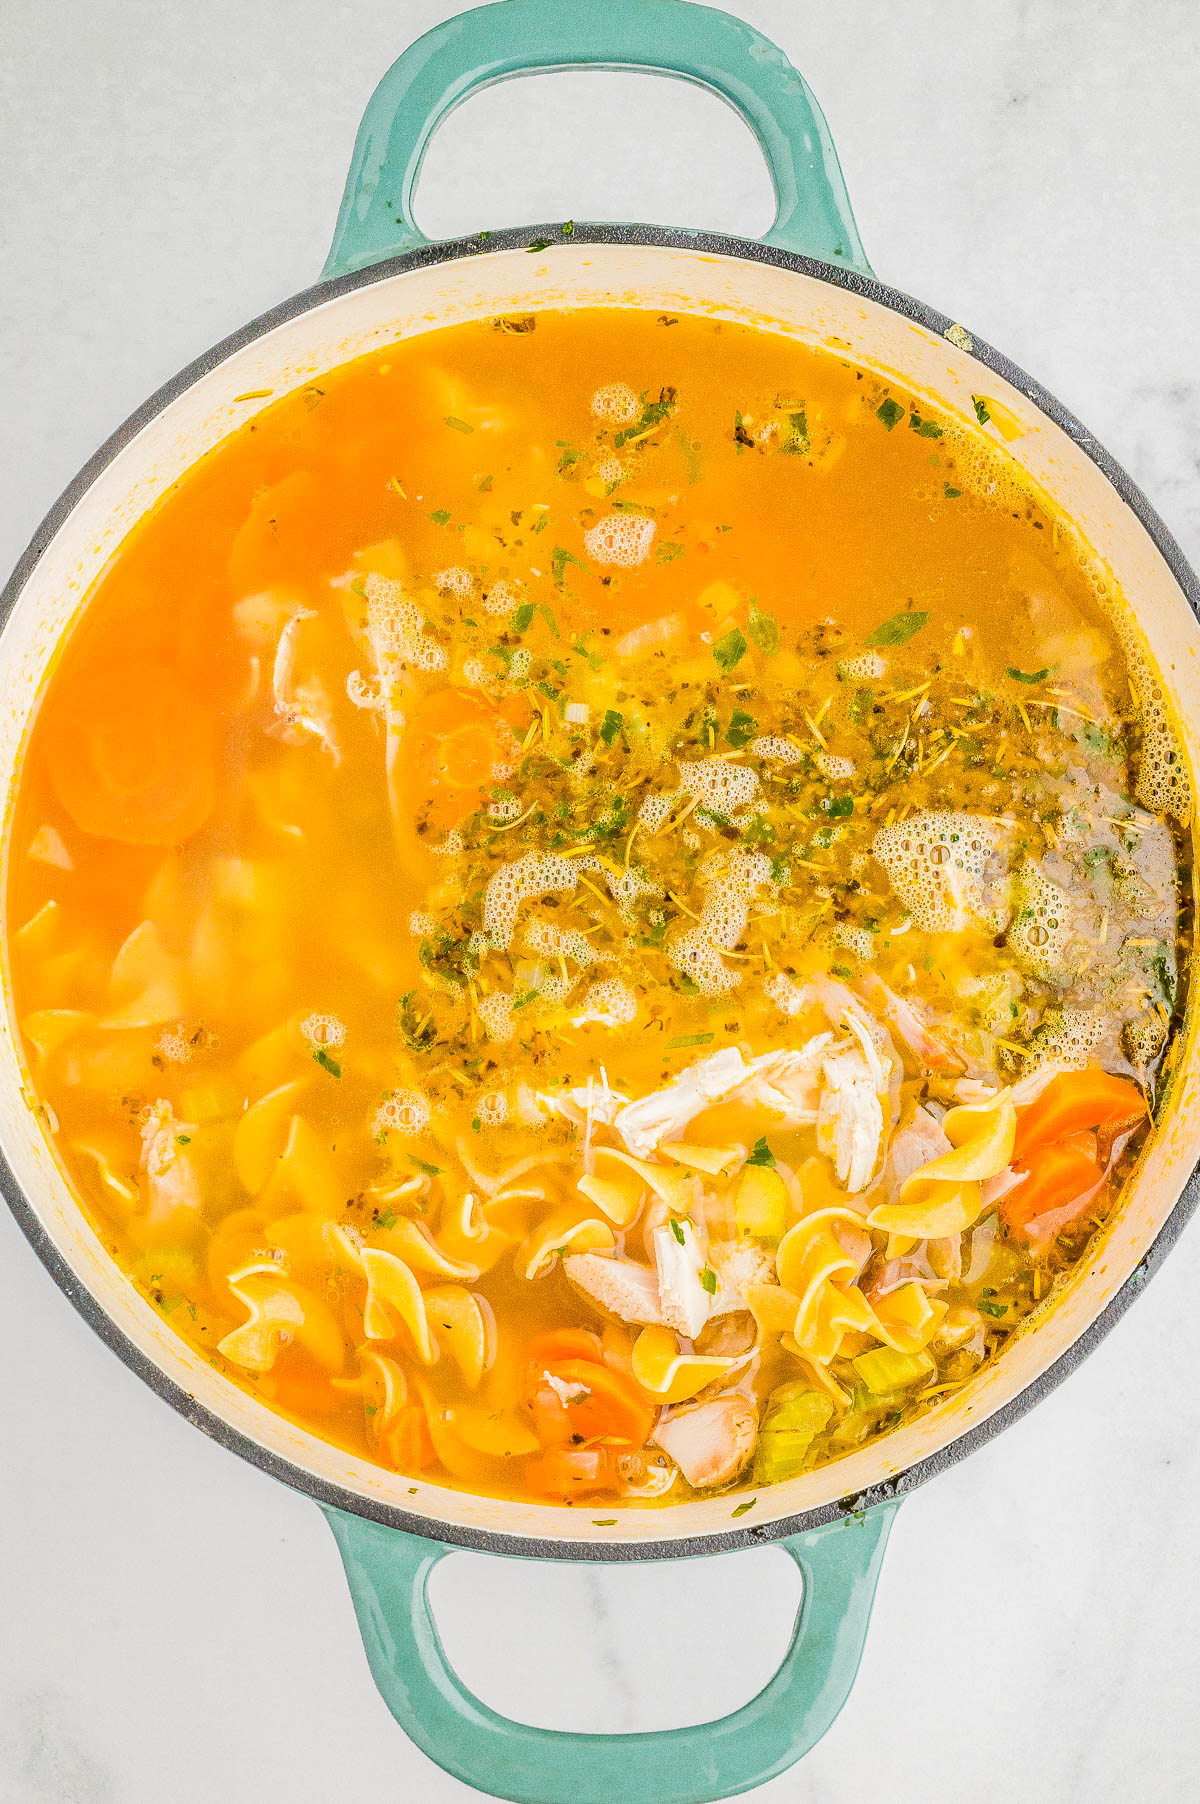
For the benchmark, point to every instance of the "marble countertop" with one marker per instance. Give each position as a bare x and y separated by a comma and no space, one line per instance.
175,1624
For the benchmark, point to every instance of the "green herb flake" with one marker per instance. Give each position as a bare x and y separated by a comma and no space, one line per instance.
560,557
890,412
440,516
1028,676
458,425
763,628
433,1171
923,428
708,1280
899,628
183,1139
547,615
842,971
981,409
742,728
522,617
388,1219
610,726
485,486
524,1000
322,1058
667,549
730,650
539,244
682,1040
950,494
567,228
761,1154
604,1522
743,1507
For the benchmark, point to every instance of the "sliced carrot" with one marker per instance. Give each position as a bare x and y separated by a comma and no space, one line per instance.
456,747
574,1471
406,1443
303,1386
565,1343
1055,1176
586,1402
131,757
1075,1101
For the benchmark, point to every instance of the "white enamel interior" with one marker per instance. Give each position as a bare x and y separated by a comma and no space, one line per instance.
415,302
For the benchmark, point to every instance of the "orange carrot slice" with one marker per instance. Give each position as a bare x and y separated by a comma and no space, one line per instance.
574,1471
131,754
456,747
1055,1176
1074,1102
586,1402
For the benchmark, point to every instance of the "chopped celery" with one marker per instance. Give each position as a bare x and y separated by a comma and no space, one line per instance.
885,1369
761,1204
780,1455
796,1407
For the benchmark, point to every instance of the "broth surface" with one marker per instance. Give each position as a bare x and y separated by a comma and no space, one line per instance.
597,905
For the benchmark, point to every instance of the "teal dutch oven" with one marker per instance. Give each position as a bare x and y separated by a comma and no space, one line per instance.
808,279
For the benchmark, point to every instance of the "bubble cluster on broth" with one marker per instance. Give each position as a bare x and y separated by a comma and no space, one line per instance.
599,909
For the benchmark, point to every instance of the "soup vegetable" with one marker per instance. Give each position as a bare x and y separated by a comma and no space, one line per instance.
597,905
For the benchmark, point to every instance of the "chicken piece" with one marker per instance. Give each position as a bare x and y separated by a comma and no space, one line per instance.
171,1182
616,1286
664,1114
945,1257
679,1259
788,1082
961,1331
930,1052
710,1442
883,1276
738,1264
572,1105
302,710
850,1118
917,1143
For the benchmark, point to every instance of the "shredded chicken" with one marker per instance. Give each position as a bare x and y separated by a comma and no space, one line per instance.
710,1442
679,1259
616,1286
850,1118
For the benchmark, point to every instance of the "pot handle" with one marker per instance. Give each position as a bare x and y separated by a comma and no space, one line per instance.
673,37
389,1574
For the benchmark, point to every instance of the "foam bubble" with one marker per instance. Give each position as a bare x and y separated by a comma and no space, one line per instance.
865,667
559,942
838,770
451,846
505,810
495,1014
1066,1038
421,923
324,1031
731,884
455,581
655,810
787,995
1163,784
623,539
491,1109
502,598
1041,929
719,785
609,1003
631,884
775,750
476,674
936,861
174,1046
404,1112
533,875
396,630
855,939
615,404
519,665
610,471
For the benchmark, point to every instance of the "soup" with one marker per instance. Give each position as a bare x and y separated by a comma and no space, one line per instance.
597,905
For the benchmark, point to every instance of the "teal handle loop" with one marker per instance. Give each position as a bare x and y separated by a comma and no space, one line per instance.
389,1577
670,37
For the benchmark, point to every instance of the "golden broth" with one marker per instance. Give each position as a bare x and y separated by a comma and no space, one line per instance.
524,717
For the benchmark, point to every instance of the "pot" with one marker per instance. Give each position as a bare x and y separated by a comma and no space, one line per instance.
807,278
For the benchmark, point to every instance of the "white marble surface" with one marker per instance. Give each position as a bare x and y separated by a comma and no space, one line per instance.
175,1625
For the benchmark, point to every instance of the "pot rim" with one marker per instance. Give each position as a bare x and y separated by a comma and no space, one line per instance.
322,1491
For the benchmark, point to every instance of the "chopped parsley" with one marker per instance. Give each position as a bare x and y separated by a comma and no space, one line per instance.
743,1507
890,412
981,409
742,728
763,628
322,1058
440,516
1028,676
761,1154
898,629
677,1230
708,1280
560,557
610,726
730,650
683,1040
458,425
433,1171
